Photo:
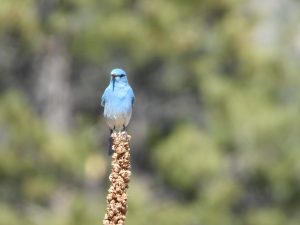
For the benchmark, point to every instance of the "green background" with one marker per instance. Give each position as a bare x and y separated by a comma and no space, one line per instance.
215,128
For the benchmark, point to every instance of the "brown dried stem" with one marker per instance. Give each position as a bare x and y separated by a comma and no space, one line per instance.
120,176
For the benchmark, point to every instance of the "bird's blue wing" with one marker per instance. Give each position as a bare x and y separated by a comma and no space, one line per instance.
103,98
132,96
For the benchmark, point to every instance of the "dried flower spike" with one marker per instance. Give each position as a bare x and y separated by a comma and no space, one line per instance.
120,176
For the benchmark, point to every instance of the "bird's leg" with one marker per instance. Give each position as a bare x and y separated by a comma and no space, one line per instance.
110,141
124,128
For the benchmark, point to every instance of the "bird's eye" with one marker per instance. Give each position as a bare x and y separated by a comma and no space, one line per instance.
122,75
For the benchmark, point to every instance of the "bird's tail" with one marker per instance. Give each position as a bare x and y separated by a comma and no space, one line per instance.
110,150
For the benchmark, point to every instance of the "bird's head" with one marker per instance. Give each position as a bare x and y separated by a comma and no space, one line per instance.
117,76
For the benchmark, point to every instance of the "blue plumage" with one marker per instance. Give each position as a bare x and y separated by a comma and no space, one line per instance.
117,100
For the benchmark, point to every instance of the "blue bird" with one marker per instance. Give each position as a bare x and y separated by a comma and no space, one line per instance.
117,100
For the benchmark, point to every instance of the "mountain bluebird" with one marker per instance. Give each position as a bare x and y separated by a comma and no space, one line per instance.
117,100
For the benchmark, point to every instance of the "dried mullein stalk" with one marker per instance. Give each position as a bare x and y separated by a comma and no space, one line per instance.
120,176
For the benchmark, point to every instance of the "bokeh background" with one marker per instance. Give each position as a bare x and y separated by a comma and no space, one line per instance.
215,129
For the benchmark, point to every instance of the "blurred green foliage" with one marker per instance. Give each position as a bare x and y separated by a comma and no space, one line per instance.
182,162
239,165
